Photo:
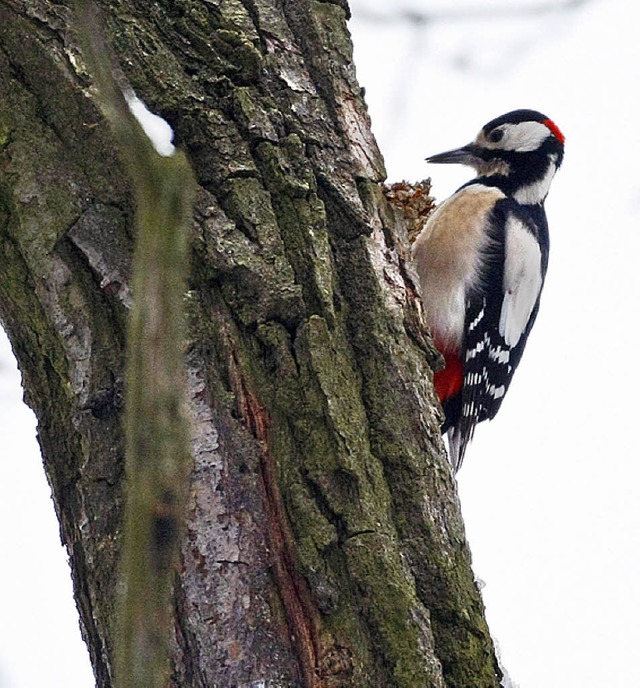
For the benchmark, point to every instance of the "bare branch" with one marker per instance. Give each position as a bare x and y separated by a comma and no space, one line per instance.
159,461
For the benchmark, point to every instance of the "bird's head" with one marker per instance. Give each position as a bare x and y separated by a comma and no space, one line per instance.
524,147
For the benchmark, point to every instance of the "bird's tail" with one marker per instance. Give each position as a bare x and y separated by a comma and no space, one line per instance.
458,438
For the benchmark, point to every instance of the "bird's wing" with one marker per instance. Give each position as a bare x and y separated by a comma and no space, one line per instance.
522,280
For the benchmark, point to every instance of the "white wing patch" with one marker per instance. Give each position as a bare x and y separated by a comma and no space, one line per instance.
522,280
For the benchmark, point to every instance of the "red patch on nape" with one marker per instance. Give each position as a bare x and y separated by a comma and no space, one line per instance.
554,129
448,382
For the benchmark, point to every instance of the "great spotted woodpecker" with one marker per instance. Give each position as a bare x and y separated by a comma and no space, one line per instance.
481,260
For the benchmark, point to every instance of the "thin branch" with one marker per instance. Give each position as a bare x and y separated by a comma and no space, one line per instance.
158,459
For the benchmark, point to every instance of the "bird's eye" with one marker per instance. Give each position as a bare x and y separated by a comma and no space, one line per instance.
495,135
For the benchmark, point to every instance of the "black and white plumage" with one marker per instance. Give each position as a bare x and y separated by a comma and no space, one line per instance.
481,260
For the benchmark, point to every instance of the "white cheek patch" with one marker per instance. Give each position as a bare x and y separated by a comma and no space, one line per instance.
524,136
522,280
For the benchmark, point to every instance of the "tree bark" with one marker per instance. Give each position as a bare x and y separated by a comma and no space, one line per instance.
324,543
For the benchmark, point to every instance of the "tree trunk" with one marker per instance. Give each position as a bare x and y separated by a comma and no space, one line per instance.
324,543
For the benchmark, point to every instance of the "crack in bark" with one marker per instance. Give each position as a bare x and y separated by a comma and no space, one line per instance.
292,588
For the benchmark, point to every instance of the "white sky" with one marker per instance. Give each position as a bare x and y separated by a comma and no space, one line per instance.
40,643
550,489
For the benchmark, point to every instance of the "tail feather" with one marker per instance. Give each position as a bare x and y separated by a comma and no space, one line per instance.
459,437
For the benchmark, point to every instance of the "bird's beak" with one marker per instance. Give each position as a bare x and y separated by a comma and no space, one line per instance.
467,155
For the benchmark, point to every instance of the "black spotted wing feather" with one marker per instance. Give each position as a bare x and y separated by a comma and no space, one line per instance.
488,361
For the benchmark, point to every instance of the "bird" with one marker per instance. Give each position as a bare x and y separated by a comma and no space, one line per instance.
481,261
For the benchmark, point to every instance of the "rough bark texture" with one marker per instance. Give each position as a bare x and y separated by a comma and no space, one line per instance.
325,545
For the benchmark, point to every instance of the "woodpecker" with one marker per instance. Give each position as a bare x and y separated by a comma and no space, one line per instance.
481,261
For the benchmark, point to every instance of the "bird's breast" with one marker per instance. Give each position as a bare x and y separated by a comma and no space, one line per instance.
448,259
